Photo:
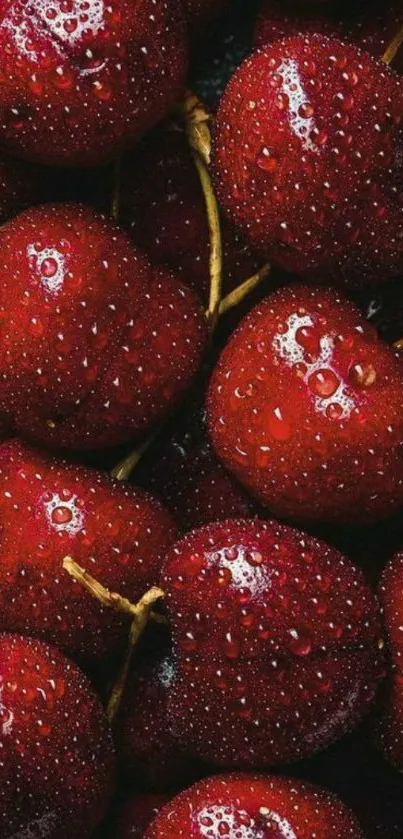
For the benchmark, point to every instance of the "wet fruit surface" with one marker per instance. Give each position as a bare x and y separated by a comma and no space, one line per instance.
391,725
163,207
147,751
50,509
81,80
254,807
57,764
369,25
187,477
295,170
95,343
305,407
275,638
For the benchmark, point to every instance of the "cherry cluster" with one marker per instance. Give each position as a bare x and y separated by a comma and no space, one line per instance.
201,427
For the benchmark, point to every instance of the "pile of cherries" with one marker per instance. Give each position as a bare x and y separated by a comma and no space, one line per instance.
212,649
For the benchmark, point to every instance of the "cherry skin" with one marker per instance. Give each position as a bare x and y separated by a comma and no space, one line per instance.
57,756
82,80
254,807
370,27
391,725
136,815
163,207
147,751
296,171
306,408
189,480
50,509
275,642
95,343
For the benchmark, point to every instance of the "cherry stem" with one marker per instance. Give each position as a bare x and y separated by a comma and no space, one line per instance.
140,612
393,48
235,297
197,123
125,467
117,189
398,344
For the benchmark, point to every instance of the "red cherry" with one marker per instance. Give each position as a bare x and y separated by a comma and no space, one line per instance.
50,509
275,636
146,749
95,343
80,81
295,170
369,27
254,807
57,761
306,409
136,815
391,726
163,206
191,482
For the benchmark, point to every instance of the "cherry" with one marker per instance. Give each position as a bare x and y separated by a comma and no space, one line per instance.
306,408
297,172
275,641
50,509
57,757
81,80
95,343
147,751
371,27
187,477
136,815
163,206
391,726
254,807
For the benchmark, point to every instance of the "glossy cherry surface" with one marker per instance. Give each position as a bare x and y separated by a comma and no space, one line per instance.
369,25
254,807
81,80
57,760
306,408
147,751
391,724
95,343
297,171
275,640
163,207
50,509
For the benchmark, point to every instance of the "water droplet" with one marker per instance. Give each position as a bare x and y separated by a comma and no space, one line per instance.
266,160
308,338
231,647
62,515
277,425
300,644
363,374
324,382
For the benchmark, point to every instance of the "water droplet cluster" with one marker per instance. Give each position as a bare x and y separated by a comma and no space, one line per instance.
390,727
49,510
55,747
81,80
275,642
95,343
305,408
299,175
254,807
163,207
